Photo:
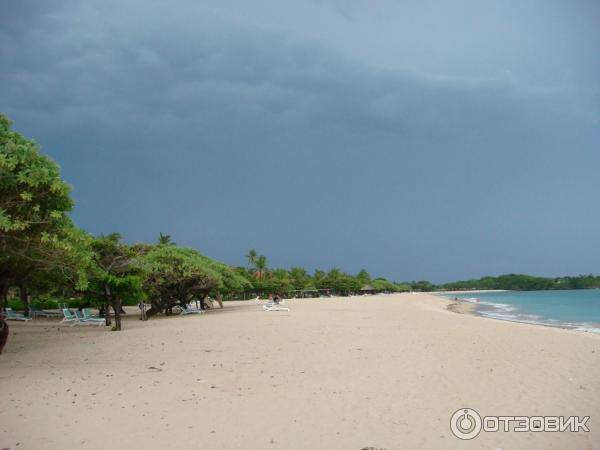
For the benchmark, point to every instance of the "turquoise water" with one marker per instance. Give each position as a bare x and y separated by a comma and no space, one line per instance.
575,309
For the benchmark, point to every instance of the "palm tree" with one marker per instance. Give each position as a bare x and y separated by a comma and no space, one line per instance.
252,257
261,266
165,239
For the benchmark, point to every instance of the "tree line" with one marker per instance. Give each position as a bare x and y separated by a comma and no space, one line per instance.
520,282
298,282
44,255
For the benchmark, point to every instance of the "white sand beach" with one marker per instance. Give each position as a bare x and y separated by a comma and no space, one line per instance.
341,373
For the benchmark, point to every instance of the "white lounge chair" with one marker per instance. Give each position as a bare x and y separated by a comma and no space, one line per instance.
272,303
191,310
274,307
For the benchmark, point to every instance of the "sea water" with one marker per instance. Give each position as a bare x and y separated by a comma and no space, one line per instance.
573,309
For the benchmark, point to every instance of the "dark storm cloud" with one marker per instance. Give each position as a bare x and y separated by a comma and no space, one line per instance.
232,132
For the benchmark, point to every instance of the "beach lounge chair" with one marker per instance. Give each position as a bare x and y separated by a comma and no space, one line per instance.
74,319
68,316
191,309
87,314
274,307
272,303
12,315
81,316
35,312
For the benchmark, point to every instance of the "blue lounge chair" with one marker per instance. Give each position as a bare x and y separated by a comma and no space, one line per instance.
12,315
74,319
87,314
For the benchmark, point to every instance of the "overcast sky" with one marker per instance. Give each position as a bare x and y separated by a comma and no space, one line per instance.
417,139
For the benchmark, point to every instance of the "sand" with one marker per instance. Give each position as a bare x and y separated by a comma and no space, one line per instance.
342,373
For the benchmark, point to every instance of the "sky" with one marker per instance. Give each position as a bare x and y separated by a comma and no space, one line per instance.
436,140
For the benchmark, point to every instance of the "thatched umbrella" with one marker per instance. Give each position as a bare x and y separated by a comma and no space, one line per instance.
368,289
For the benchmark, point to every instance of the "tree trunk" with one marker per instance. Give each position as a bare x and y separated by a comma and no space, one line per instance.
3,294
108,302
220,300
156,306
3,333
152,312
203,304
117,307
24,299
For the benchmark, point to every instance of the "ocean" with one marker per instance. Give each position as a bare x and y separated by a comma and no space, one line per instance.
573,309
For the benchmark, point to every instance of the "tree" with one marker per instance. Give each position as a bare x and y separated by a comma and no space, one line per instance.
165,239
422,286
338,281
36,232
115,276
363,277
175,276
299,279
261,266
63,265
319,279
252,256
278,282
230,280
383,285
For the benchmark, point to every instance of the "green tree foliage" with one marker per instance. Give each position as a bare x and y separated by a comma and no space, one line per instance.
115,277
252,256
422,286
165,239
383,285
338,282
261,267
38,241
230,280
520,282
363,277
175,276
299,279
65,265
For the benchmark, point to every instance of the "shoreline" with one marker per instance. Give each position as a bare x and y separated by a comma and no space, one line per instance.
474,291
461,306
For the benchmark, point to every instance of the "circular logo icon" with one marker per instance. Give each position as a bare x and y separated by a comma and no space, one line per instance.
465,423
